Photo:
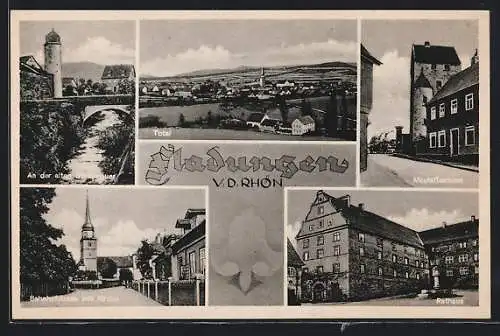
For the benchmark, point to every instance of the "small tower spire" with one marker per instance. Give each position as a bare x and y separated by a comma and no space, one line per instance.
88,221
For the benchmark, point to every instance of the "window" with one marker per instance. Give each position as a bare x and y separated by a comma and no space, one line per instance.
291,271
321,224
305,243
449,273
418,276
380,271
395,273
448,259
320,253
464,270
474,242
336,250
311,227
462,245
469,101
192,263
361,237
433,66
305,256
380,242
202,260
439,84
470,135
319,269
463,258
407,261
362,268
321,240
417,263
394,258
441,110
361,251
336,236
433,112
454,106
379,255
447,67
441,138
432,140
407,275
476,256
424,100
393,246
476,269
305,270
321,210
329,223
336,268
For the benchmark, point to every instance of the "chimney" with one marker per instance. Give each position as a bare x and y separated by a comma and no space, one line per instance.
427,44
444,225
348,200
361,206
474,59
472,218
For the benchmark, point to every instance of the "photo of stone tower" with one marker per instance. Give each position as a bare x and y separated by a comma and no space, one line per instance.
53,60
431,67
88,243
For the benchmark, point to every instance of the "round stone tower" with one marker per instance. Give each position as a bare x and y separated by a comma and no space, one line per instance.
53,60
422,93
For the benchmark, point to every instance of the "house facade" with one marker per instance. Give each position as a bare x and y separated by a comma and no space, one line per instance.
453,254
114,75
453,118
366,102
294,274
352,254
35,82
188,252
303,125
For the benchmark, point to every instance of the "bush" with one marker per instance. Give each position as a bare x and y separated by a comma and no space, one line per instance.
151,121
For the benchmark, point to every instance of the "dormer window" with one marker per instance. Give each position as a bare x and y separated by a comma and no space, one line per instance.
321,210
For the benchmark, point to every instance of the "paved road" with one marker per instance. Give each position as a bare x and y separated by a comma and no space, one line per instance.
114,296
463,298
388,171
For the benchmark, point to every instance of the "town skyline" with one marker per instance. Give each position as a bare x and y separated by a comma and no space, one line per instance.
435,207
120,223
391,43
228,44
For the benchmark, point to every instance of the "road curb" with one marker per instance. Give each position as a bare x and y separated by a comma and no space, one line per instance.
476,170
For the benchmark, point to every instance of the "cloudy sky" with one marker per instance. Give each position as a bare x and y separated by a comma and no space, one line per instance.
102,42
418,210
121,218
390,42
175,47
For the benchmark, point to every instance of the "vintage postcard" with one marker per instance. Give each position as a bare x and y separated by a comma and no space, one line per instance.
250,165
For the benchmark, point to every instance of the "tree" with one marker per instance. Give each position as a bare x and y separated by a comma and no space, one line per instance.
126,274
331,117
107,267
182,120
210,119
283,108
305,108
144,254
41,260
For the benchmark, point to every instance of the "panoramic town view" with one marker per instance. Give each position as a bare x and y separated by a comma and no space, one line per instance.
248,80
365,248
78,250
77,102
420,103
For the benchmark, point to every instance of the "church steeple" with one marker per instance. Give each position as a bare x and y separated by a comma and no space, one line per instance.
87,225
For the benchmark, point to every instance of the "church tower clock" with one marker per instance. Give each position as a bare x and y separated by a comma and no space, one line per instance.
88,242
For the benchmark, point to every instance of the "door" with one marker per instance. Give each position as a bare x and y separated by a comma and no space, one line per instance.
454,142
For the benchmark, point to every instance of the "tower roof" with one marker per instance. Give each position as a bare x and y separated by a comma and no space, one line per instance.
422,81
435,54
88,222
52,37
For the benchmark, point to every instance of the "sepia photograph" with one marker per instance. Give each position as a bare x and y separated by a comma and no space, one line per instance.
419,103
382,248
248,80
112,247
77,102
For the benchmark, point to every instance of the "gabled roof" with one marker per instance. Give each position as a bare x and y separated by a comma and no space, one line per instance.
189,237
365,55
118,71
190,213
183,223
255,117
434,54
422,81
293,258
29,63
306,120
460,230
269,122
458,82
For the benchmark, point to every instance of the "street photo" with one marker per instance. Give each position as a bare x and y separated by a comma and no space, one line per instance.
419,103
382,248
77,102
111,247
248,80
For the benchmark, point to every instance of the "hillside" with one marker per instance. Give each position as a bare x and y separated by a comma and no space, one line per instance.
86,70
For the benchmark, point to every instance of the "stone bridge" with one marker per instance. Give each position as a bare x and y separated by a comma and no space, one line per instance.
91,110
